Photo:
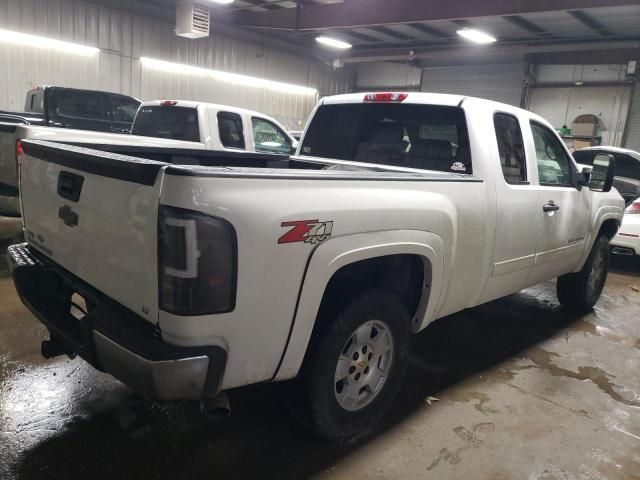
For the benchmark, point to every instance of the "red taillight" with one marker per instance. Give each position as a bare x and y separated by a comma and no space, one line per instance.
19,152
168,103
633,208
385,97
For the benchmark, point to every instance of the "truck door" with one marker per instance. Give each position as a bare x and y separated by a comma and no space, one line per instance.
564,208
517,213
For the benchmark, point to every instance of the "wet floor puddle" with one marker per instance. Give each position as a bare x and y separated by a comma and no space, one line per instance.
588,328
542,359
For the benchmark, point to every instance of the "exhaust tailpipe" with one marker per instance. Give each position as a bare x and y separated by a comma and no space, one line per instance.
216,406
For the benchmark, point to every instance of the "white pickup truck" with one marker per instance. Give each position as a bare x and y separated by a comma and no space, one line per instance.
164,124
398,209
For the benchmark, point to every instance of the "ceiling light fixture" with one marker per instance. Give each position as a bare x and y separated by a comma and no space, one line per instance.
223,2
16,38
476,35
234,78
333,43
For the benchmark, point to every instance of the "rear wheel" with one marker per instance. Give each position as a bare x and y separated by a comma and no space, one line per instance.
356,366
581,290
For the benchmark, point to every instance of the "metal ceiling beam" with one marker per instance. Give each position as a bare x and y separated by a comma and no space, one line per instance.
361,36
392,33
434,32
402,55
359,13
597,57
526,25
463,22
590,22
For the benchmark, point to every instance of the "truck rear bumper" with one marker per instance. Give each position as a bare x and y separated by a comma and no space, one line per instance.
109,336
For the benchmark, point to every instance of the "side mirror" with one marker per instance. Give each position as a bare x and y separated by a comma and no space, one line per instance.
602,173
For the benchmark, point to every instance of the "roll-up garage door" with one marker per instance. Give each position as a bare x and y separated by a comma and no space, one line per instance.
502,83
632,135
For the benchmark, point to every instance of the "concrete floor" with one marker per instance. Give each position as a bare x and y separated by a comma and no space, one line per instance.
525,391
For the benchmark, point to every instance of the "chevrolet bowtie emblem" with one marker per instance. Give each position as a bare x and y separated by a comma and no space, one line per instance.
68,216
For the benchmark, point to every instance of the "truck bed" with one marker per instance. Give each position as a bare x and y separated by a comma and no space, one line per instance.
108,158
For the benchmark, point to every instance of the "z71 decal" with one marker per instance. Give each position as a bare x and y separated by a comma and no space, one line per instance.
307,231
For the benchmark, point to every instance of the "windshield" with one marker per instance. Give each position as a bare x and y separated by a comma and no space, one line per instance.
176,123
416,136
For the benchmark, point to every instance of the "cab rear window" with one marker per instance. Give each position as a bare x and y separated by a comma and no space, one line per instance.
176,123
429,137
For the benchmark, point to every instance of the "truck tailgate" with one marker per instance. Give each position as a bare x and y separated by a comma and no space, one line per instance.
95,214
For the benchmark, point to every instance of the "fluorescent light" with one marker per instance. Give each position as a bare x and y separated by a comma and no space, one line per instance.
332,42
42,42
223,2
476,35
233,78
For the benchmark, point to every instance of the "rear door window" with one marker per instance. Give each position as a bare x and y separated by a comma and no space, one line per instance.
81,104
230,130
429,137
123,109
269,138
510,148
176,123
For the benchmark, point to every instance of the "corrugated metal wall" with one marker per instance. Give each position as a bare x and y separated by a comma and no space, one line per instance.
124,37
632,135
502,83
387,75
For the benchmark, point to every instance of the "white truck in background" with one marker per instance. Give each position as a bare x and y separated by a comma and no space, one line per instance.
163,124
398,209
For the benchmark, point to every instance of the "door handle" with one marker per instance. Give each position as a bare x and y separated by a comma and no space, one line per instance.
550,207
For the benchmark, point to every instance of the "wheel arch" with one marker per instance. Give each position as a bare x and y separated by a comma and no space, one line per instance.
609,228
344,256
608,220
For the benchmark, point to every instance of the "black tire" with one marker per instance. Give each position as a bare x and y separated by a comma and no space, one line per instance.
581,290
319,409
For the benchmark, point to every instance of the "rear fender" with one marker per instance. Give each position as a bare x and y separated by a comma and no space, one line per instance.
338,252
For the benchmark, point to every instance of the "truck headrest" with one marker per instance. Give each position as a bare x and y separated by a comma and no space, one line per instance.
386,133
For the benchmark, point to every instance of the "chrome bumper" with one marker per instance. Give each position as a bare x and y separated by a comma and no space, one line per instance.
164,380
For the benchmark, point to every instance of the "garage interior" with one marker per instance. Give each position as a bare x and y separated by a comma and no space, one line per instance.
515,388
